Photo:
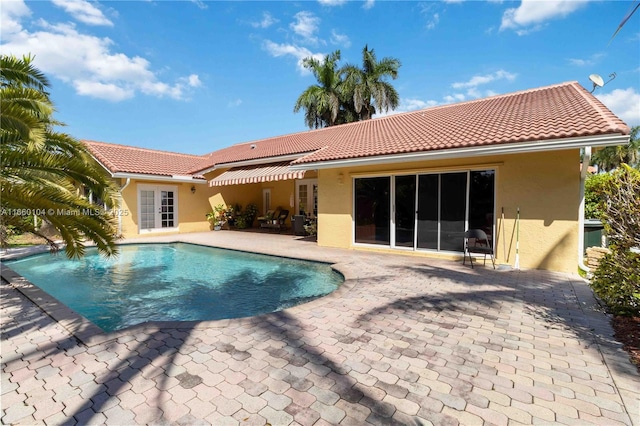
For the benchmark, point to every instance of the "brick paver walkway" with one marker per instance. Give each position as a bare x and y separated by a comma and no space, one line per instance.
406,340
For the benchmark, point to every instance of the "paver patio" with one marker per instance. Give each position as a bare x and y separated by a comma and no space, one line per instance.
406,340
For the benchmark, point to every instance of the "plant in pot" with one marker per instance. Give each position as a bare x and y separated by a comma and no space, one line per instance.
216,217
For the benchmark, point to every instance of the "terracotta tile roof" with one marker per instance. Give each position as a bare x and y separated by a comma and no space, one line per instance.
564,110
559,111
128,159
296,143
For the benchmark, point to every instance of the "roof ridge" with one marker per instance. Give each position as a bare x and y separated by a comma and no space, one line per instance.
597,104
194,156
470,101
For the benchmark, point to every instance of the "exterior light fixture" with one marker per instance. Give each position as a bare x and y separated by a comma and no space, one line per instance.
193,189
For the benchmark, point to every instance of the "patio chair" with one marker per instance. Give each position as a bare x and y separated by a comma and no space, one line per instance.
269,217
476,241
279,223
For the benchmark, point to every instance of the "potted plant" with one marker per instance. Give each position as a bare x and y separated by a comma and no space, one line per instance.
216,217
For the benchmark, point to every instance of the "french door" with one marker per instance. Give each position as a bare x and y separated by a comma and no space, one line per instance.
307,196
423,211
158,208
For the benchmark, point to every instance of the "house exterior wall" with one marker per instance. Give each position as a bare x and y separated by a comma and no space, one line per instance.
191,207
545,186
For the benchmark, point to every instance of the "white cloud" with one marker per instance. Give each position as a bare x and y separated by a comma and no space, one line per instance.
234,104
108,91
593,59
625,103
200,3
332,2
83,11
192,80
266,22
368,4
10,14
478,80
408,104
427,9
456,97
431,23
531,14
277,50
88,63
306,24
340,39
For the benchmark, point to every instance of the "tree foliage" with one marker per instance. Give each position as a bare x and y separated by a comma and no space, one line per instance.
617,279
594,194
350,93
44,172
611,157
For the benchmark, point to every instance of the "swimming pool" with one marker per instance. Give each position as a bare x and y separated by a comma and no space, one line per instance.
176,282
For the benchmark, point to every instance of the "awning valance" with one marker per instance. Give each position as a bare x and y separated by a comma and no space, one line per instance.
256,174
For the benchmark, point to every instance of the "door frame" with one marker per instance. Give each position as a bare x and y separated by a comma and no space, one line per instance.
156,198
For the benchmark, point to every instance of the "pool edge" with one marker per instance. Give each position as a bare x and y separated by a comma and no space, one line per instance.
90,334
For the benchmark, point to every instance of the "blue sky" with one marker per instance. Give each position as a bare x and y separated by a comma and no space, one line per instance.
196,76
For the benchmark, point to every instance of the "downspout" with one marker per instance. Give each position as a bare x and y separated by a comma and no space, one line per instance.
120,212
586,160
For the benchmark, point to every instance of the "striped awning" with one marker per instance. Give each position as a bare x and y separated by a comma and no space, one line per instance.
256,174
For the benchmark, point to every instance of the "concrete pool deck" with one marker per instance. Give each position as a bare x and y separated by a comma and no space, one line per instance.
407,340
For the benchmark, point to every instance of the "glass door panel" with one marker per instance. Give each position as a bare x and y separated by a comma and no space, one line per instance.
147,209
405,214
453,208
167,209
428,211
372,210
481,201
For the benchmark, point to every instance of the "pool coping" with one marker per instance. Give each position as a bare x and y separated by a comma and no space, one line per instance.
90,334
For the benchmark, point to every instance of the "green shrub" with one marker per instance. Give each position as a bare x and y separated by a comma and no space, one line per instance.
617,279
617,282
593,195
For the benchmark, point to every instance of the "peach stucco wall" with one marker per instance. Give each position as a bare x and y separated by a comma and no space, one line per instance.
192,207
544,185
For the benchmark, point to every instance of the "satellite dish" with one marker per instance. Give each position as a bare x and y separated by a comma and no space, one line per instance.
596,80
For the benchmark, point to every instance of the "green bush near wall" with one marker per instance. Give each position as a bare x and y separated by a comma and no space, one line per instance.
617,279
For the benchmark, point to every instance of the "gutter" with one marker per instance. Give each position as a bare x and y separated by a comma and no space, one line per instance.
120,213
586,160
173,178
466,152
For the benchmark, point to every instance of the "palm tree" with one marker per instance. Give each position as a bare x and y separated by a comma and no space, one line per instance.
368,83
322,101
612,157
43,171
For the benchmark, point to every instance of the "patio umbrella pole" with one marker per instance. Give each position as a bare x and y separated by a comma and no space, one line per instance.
517,264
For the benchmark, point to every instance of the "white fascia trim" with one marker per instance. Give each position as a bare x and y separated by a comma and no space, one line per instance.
175,178
512,148
255,162
100,163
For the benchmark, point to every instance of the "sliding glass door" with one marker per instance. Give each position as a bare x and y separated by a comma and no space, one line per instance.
405,210
425,211
372,207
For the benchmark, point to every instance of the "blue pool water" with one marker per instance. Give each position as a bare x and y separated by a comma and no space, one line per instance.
176,282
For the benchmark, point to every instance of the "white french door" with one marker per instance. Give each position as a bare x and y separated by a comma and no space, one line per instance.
307,196
158,208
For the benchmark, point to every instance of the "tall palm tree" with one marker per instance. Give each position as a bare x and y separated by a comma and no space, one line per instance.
369,84
612,157
322,101
43,170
